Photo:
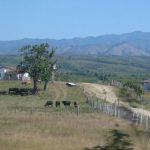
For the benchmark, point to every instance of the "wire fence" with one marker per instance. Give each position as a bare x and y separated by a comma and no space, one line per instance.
116,110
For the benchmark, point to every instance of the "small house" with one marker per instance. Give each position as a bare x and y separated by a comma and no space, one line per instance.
147,85
8,73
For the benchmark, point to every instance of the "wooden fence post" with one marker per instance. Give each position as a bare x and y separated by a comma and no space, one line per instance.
147,118
115,109
118,108
77,110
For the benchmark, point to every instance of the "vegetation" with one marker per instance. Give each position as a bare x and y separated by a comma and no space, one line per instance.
37,61
26,124
104,68
9,60
117,141
92,68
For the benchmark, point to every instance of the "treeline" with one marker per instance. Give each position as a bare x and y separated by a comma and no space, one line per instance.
9,60
92,68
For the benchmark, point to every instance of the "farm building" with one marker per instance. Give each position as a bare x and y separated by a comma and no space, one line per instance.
8,73
25,77
147,85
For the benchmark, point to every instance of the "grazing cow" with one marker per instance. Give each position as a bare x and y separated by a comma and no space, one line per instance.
57,103
75,104
66,103
3,92
48,103
13,90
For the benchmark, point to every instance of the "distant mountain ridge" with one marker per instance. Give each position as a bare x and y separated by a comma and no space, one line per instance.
133,44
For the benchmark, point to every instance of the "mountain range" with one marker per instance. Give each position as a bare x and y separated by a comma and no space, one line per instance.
128,44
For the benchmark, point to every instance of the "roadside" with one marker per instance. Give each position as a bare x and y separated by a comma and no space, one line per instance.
107,93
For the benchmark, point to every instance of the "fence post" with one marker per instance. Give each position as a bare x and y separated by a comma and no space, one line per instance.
147,118
97,105
100,105
137,118
141,119
77,110
115,109
118,108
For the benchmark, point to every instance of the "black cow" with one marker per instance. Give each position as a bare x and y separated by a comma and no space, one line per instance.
48,103
66,103
57,103
75,104
13,90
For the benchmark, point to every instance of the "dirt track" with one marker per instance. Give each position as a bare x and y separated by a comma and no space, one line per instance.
100,91
106,92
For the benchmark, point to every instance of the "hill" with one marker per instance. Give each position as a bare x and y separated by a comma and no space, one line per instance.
91,68
135,43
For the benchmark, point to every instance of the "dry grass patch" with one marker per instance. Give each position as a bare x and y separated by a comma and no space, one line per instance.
22,131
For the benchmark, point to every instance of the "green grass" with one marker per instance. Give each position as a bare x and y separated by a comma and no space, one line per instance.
57,91
26,125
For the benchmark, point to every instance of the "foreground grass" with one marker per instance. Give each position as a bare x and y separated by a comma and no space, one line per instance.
26,125
23,131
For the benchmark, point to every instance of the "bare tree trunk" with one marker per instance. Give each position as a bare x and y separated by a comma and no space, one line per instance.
35,89
46,85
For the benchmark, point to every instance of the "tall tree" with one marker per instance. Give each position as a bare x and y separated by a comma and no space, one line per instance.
36,59
48,68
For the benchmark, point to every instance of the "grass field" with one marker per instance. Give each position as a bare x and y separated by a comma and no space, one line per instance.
26,125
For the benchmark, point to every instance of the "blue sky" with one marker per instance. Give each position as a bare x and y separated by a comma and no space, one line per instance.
57,19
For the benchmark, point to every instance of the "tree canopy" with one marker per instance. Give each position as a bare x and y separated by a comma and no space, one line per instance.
38,61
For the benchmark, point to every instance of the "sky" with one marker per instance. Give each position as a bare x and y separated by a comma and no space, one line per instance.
63,19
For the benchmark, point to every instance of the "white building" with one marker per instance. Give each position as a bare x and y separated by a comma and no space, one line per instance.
147,85
8,73
25,77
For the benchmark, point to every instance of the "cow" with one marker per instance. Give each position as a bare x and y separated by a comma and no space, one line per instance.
57,103
48,103
66,103
75,104
3,92
13,90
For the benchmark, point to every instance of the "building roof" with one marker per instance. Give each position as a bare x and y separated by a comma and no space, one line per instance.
147,81
9,67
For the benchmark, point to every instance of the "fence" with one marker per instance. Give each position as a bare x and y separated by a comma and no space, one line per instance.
116,83
114,109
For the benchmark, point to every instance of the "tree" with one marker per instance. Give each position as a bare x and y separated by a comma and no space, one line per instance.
36,61
48,69
137,89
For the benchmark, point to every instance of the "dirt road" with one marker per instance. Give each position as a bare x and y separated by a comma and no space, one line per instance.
100,91
107,93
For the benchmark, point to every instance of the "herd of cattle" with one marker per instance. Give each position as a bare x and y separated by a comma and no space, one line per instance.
58,103
28,91
17,91
20,91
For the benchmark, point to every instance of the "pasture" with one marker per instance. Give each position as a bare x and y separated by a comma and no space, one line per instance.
25,124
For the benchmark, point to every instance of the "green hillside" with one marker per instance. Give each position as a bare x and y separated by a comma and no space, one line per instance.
91,68
96,68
